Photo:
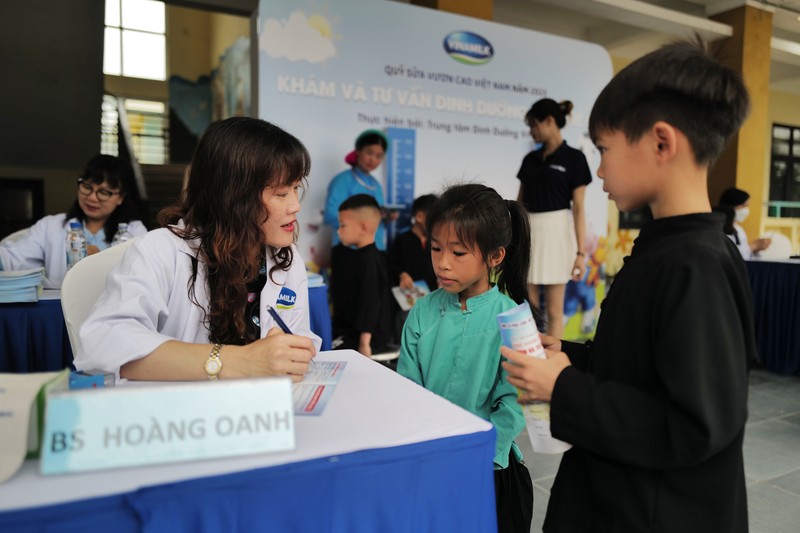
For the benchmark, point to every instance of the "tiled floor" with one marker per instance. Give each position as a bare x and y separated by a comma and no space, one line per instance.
771,457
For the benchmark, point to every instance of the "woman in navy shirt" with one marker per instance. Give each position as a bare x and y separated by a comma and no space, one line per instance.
553,182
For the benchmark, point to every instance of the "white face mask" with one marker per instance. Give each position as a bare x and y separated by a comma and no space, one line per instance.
741,214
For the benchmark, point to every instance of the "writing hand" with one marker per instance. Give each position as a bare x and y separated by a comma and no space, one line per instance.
277,354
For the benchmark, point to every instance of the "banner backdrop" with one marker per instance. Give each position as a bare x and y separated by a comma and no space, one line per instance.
450,91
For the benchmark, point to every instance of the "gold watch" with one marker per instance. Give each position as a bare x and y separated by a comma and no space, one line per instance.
213,365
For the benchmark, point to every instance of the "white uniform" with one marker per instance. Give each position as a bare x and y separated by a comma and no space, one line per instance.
146,303
43,245
744,244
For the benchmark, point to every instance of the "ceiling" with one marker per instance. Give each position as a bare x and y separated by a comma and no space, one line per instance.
630,28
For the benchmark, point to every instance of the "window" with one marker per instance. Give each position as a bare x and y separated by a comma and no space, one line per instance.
146,122
784,178
135,40
135,47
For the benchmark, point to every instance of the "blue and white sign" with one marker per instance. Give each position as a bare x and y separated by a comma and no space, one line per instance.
468,48
329,70
137,425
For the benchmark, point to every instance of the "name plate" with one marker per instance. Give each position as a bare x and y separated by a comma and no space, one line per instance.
137,425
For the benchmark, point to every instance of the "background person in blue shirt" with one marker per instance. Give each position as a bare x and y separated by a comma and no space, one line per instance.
451,340
370,150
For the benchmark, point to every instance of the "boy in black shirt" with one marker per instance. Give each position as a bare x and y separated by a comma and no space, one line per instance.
360,280
410,254
656,407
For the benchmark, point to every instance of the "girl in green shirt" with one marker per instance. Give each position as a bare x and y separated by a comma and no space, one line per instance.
451,342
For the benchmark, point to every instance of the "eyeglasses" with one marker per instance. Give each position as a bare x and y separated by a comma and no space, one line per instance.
86,189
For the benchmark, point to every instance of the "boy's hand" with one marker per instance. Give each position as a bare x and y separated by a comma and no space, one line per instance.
365,344
535,378
406,281
551,343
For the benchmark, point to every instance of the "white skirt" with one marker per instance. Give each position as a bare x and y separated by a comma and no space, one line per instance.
553,247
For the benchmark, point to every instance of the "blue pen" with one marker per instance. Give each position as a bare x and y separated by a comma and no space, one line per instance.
279,320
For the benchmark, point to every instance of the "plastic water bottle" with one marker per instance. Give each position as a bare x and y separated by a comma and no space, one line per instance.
75,244
122,234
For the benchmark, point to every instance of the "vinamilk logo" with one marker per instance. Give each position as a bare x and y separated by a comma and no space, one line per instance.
468,48
286,299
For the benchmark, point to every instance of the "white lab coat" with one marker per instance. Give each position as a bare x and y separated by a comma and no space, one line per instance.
146,303
43,245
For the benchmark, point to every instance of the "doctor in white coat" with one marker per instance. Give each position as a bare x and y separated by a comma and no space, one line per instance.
106,196
214,293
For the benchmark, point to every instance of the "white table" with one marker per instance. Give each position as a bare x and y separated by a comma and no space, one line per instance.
378,426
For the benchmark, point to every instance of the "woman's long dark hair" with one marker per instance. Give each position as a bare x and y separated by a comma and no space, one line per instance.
118,174
482,219
222,207
727,226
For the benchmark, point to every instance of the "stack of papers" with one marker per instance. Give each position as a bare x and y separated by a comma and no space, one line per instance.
21,285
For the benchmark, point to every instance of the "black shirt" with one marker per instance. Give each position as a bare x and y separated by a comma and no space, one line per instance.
548,182
656,407
408,255
361,295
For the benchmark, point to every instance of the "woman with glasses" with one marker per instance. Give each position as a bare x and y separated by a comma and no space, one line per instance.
220,291
106,196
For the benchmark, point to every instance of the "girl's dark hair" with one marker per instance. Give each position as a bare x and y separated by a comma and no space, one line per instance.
222,208
482,219
733,197
370,137
547,107
118,174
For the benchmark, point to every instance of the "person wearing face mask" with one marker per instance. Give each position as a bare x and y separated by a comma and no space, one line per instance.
735,203
369,153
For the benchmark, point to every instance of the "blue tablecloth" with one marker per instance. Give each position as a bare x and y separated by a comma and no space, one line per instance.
33,337
776,306
320,315
430,486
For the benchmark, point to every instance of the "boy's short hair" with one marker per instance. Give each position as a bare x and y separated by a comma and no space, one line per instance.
366,208
423,203
359,201
681,84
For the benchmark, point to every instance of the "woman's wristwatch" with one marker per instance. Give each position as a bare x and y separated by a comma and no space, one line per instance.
213,365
